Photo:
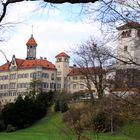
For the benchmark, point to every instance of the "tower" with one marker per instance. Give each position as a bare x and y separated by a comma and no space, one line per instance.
129,44
62,65
31,48
128,50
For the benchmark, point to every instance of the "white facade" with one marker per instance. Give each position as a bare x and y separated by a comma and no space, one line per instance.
62,66
128,45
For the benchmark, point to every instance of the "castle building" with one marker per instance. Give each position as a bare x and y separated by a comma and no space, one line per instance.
16,76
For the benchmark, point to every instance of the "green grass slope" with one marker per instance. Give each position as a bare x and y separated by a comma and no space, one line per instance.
49,128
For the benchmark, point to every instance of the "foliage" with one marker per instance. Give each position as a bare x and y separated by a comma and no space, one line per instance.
61,103
46,98
74,118
2,125
10,128
132,130
25,112
51,127
100,122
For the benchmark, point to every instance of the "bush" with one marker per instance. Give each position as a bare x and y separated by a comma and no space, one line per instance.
2,125
60,105
10,128
64,107
57,106
25,111
100,122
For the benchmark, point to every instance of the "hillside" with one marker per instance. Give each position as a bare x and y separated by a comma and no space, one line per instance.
49,128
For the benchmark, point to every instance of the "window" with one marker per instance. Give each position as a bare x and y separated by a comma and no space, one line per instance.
126,34
12,85
66,59
74,86
58,78
45,75
138,33
25,75
52,76
58,86
12,76
75,78
125,48
59,73
4,77
59,59
81,86
82,77
52,85
44,85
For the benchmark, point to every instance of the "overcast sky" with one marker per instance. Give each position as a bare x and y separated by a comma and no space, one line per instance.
55,29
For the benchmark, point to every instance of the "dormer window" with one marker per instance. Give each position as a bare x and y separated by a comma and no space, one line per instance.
126,34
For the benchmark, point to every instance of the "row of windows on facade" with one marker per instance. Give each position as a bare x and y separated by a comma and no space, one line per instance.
25,85
13,94
6,100
75,86
127,33
60,59
77,77
26,75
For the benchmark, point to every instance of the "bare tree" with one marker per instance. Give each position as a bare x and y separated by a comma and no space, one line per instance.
92,59
112,11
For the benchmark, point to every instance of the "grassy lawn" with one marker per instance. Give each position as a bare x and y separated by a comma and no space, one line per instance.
50,128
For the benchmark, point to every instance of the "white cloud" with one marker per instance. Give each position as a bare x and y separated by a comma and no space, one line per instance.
53,34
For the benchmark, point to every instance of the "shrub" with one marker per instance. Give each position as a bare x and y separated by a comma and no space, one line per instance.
10,128
57,106
2,125
61,105
100,122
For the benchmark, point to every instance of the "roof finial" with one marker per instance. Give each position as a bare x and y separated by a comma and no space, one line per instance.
32,31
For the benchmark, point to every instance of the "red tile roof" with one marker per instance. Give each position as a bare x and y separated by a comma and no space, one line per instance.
82,71
129,25
62,54
25,64
31,41
5,66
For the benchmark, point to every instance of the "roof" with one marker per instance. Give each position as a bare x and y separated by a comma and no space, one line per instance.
82,71
62,54
129,25
31,41
25,64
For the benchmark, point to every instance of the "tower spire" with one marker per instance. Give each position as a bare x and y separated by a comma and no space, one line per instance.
32,30
31,47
